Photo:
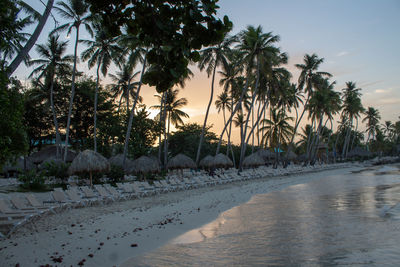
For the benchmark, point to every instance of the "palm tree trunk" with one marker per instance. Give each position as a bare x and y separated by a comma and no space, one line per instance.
162,122
355,135
32,40
345,145
71,100
95,106
58,139
238,105
297,123
258,126
242,150
166,142
257,122
206,116
251,133
129,129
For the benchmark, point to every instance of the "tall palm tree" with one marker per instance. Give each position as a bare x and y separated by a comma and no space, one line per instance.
52,62
76,12
372,118
352,108
307,82
101,51
389,130
259,51
173,114
211,58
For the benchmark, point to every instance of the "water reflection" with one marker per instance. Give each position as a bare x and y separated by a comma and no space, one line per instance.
347,219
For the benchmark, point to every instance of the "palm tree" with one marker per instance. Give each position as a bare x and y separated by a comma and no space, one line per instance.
352,108
76,12
52,62
277,129
23,52
211,58
223,102
173,113
389,130
102,51
123,86
307,82
372,118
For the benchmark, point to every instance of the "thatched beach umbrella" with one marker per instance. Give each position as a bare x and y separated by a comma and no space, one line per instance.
89,161
145,164
222,160
207,162
181,161
50,152
118,160
253,160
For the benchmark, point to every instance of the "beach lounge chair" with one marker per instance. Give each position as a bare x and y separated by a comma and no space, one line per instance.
88,192
20,204
160,187
149,188
75,198
103,192
113,191
168,186
8,214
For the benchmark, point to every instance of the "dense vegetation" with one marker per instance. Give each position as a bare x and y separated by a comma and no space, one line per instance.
160,39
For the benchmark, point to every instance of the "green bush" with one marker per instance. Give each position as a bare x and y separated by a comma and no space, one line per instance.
116,173
58,170
33,180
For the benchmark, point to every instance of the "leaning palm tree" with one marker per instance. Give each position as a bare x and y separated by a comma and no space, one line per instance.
211,58
52,62
76,12
372,118
102,51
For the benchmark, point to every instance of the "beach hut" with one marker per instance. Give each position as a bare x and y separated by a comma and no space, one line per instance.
207,162
118,160
50,152
221,161
145,164
266,154
181,161
89,161
253,160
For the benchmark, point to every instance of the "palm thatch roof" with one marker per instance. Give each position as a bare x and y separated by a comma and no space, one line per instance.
207,161
118,160
181,161
89,161
359,152
222,160
51,152
145,164
19,165
253,160
266,154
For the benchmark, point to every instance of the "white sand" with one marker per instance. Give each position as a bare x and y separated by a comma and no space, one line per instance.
110,233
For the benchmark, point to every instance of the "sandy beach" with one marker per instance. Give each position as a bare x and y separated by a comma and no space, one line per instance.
110,235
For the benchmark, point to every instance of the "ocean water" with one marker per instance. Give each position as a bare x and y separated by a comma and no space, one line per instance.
351,219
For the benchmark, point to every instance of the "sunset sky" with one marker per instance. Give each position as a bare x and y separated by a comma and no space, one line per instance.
358,39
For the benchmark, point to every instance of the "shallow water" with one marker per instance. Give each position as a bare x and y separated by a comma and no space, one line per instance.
351,219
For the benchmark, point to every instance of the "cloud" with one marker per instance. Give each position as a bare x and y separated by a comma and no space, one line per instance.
366,84
342,53
389,101
381,91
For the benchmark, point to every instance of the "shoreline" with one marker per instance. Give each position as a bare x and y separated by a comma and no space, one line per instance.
115,233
